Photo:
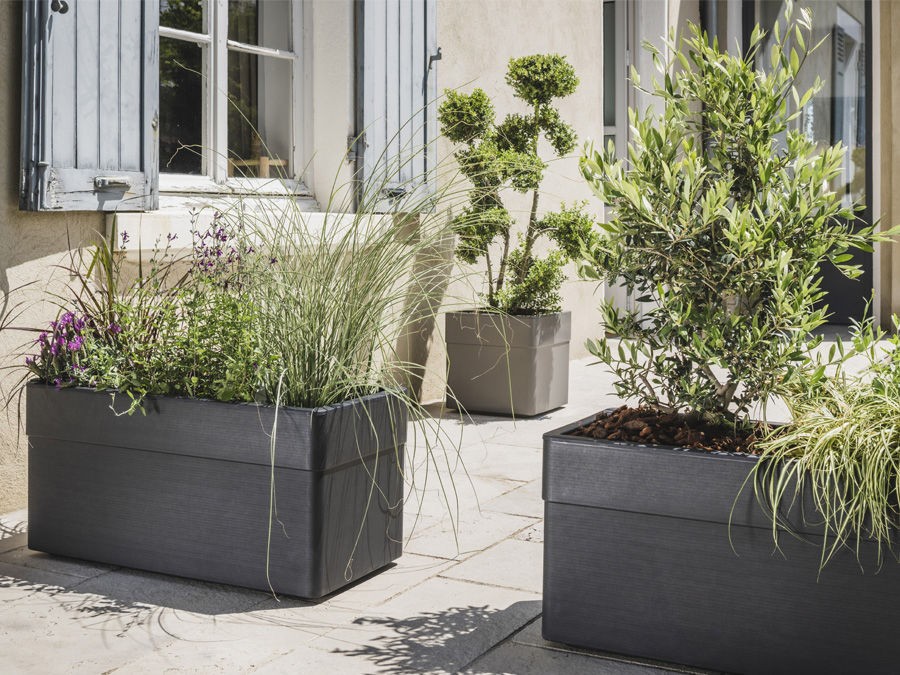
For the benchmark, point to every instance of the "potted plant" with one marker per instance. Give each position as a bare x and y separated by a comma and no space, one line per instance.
512,355
660,540
233,415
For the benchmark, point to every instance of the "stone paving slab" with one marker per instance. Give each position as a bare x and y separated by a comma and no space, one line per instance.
511,564
440,626
474,532
525,500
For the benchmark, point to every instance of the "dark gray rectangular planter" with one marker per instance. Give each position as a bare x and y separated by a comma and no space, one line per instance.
184,489
511,365
637,561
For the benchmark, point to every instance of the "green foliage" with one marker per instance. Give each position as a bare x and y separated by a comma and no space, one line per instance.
842,449
540,78
721,228
500,156
466,117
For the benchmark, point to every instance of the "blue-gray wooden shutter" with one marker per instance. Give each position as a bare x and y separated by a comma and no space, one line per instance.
90,105
396,92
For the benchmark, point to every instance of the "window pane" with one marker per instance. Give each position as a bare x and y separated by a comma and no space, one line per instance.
259,116
180,106
838,112
267,23
182,14
610,70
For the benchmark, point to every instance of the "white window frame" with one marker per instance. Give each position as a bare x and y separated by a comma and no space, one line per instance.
215,112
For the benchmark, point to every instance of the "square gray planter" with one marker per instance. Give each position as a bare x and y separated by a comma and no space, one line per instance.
637,560
511,365
184,489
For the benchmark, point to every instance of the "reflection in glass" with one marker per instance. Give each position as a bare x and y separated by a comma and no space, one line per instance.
259,116
180,106
182,14
838,112
264,23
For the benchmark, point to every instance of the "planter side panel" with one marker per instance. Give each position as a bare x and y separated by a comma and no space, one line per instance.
521,381
672,589
639,559
208,519
508,365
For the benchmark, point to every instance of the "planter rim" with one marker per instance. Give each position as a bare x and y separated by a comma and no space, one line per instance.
496,313
317,410
311,439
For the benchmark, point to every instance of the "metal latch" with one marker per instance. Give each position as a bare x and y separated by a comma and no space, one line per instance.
111,183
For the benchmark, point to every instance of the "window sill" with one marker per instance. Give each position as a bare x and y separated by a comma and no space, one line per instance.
181,184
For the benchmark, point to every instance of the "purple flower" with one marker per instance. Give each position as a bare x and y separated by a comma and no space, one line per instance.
42,337
65,320
54,349
171,236
125,237
75,343
79,324
29,360
273,261
114,328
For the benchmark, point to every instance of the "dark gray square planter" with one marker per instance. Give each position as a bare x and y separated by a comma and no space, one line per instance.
637,561
511,365
185,488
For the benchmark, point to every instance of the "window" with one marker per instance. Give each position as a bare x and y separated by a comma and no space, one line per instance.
229,72
122,98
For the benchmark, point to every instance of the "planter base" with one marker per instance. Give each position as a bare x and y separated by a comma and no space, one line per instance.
638,561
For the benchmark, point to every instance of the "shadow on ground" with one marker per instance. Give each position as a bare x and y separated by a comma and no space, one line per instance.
440,642
93,589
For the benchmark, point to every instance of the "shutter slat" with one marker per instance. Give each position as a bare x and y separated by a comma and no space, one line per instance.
404,122
90,106
87,113
397,90
62,88
110,48
392,88
417,95
130,119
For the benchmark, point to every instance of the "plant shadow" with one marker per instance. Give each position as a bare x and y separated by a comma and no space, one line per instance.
94,589
441,641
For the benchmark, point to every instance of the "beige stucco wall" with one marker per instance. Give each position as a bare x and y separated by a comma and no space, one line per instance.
477,38
31,244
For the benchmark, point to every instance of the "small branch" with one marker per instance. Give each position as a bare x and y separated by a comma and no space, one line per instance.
490,277
502,274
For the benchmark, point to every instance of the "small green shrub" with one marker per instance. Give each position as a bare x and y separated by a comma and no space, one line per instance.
722,217
842,448
498,156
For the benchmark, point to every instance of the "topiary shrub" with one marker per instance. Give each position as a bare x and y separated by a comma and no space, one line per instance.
498,156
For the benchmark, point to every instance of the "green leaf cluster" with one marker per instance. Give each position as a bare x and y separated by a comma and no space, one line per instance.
841,450
722,217
497,156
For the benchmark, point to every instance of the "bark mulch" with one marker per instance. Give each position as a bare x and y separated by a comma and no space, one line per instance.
650,426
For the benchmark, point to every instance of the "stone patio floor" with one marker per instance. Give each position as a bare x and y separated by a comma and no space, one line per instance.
469,602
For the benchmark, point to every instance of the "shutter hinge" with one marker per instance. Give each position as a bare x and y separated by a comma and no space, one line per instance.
356,147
